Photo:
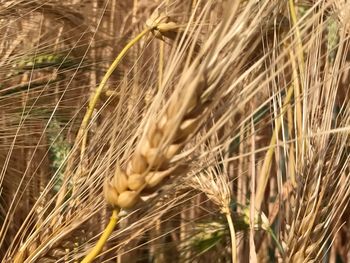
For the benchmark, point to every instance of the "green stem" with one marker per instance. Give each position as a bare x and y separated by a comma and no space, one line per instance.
273,236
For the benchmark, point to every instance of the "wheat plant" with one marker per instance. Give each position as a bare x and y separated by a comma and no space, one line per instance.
174,131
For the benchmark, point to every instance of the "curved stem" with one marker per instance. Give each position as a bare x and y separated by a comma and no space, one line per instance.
103,239
94,98
82,133
233,236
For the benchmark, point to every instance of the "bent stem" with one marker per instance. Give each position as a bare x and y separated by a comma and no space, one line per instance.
82,133
232,234
103,239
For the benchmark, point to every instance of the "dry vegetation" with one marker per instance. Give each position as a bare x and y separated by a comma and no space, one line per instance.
174,131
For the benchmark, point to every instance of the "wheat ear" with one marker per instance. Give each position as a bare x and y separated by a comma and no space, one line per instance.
216,187
148,166
165,135
159,25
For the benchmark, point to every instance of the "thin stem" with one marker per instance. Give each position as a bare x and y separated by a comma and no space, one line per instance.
161,65
300,57
300,48
95,97
265,170
103,239
233,236
264,176
82,133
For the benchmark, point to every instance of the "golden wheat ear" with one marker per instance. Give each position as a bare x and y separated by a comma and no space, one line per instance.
218,107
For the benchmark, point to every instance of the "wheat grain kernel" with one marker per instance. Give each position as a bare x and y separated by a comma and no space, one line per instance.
120,180
110,193
128,199
167,27
187,127
136,181
155,178
155,158
172,150
155,136
137,165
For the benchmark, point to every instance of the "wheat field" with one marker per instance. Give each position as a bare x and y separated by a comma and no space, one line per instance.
174,131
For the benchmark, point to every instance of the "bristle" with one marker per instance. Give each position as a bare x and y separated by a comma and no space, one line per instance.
174,131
